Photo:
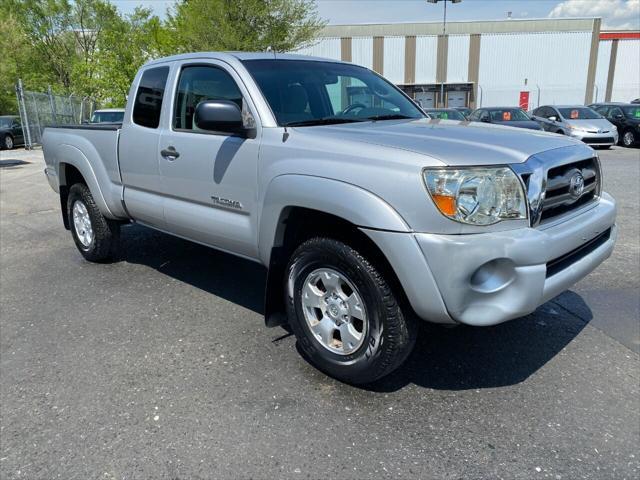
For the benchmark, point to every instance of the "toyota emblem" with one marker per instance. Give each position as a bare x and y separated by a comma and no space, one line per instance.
576,185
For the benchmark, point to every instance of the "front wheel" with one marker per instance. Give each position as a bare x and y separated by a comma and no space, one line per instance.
628,138
7,142
95,236
345,316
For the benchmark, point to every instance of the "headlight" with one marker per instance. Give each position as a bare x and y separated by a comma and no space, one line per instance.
478,196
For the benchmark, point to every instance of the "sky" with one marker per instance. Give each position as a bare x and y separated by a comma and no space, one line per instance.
616,14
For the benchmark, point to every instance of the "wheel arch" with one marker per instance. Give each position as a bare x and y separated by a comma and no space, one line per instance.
74,166
295,211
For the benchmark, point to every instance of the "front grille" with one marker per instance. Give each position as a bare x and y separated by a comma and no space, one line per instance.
558,264
560,197
598,140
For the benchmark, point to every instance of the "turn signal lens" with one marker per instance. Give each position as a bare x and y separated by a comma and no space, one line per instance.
445,204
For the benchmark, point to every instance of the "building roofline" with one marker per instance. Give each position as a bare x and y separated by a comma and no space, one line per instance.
461,28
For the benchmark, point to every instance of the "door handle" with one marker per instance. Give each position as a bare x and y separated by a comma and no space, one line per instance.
169,153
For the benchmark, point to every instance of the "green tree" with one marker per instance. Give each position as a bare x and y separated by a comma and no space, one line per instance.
19,59
87,48
250,25
123,48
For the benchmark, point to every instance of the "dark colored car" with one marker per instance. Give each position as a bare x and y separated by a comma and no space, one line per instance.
625,116
10,132
445,114
466,111
509,116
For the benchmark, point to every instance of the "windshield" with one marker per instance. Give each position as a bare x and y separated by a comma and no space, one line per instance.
580,113
508,115
107,117
5,122
302,92
632,112
446,114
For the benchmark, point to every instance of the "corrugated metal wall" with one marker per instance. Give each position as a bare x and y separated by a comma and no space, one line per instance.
602,70
556,62
458,58
626,79
393,66
327,48
426,56
362,51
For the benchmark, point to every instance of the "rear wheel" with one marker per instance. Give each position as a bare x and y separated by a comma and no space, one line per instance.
628,139
7,142
345,316
95,236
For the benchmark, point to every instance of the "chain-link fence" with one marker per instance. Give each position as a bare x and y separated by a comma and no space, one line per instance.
39,110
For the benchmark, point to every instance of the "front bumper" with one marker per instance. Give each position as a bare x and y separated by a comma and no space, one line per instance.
596,139
486,279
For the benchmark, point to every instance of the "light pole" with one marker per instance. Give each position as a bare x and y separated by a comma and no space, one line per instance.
444,32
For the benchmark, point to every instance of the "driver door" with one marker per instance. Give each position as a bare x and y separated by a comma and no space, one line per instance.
209,179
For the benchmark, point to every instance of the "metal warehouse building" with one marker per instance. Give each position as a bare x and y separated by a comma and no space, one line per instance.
488,63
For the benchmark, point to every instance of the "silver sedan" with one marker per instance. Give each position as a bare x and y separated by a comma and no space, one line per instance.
579,122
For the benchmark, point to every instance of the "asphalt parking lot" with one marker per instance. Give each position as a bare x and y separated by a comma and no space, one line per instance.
159,366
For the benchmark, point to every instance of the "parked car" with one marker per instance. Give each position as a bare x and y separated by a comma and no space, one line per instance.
445,114
578,122
466,111
367,214
625,116
10,132
637,100
108,115
510,116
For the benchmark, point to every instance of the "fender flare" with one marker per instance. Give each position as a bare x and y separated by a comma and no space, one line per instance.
71,155
354,204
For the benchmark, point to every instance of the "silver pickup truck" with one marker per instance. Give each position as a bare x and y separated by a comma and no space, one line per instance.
367,213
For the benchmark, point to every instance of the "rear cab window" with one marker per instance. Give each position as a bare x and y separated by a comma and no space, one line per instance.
149,96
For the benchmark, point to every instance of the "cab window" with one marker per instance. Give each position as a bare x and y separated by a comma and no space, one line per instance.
197,84
148,101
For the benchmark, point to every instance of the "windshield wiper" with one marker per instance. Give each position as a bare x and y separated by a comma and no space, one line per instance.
322,121
390,116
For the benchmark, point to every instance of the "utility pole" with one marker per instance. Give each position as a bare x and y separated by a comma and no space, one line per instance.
444,32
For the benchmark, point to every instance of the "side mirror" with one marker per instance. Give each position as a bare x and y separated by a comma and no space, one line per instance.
618,116
485,119
553,118
219,116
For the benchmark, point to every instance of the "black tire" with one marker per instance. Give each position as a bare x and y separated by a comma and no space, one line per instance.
105,232
390,334
7,142
628,138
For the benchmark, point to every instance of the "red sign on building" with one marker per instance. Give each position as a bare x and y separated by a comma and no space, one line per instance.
524,101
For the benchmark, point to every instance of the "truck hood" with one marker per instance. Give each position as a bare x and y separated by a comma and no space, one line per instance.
451,142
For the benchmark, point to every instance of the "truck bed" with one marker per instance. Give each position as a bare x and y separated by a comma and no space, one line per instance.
93,150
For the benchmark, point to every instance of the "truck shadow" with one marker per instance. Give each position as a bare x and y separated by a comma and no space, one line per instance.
235,279
459,358
465,358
